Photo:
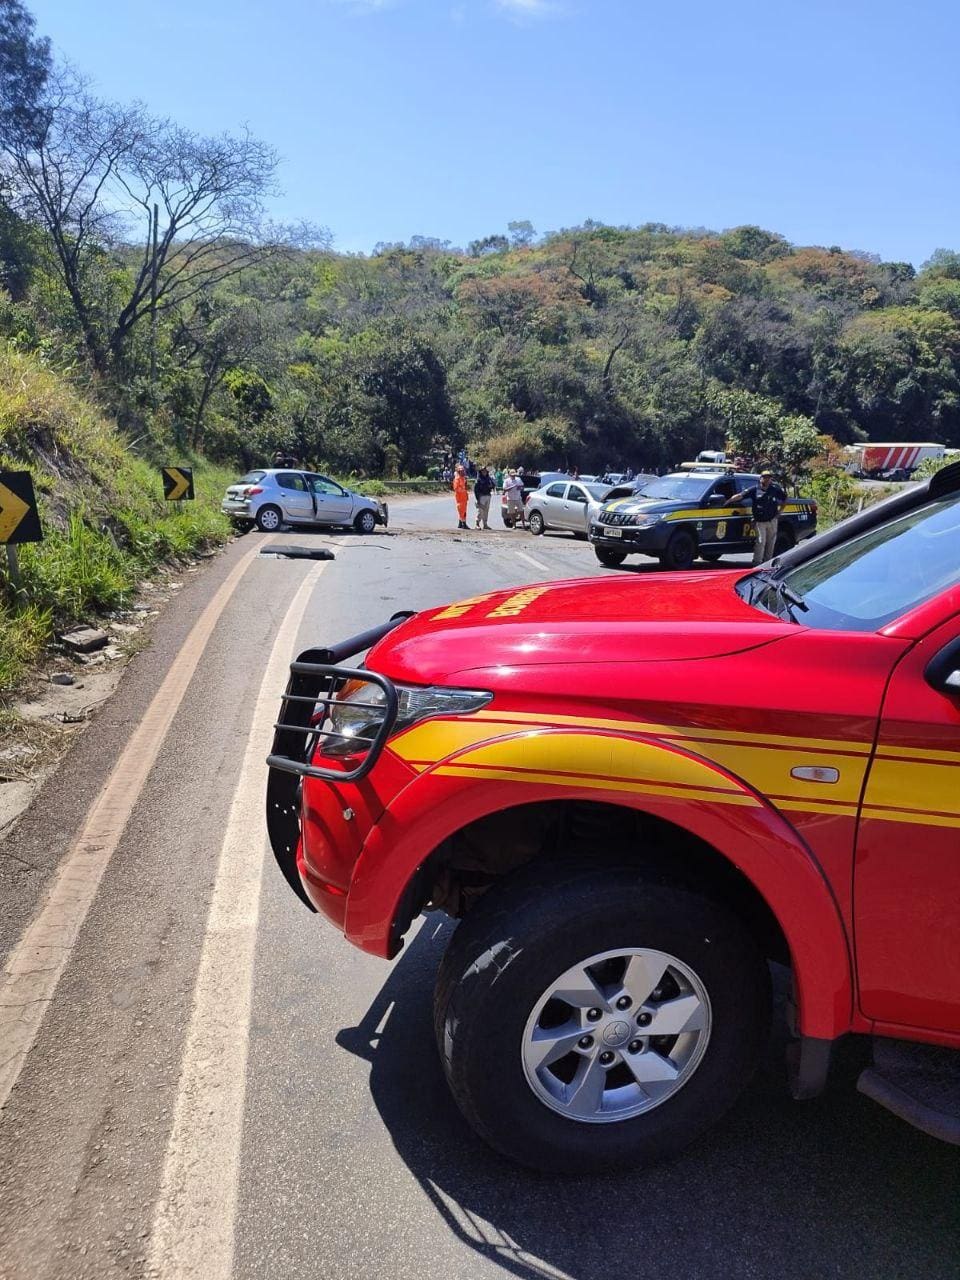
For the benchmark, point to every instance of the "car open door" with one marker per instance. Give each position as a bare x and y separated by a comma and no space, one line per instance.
333,504
907,868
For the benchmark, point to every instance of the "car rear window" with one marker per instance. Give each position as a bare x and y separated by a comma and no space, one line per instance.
252,477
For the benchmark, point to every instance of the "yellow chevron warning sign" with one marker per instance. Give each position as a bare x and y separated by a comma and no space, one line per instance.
178,484
19,520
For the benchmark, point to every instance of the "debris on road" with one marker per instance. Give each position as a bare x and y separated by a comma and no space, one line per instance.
84,639
299,553
62,677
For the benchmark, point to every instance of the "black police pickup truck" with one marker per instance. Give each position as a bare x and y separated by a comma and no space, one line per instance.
688,514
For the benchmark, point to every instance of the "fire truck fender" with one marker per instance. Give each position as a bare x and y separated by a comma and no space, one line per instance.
638,772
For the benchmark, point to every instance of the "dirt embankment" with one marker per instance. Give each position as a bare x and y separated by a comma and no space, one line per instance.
112,551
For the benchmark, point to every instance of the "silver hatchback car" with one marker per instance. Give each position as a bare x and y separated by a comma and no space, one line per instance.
269,498
565,504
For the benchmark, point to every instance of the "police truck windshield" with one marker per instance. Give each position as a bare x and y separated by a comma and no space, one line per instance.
677,488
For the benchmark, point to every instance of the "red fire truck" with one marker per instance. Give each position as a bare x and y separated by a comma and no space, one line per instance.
635,794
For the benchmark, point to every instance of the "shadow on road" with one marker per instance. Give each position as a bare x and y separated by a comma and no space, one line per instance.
783,1190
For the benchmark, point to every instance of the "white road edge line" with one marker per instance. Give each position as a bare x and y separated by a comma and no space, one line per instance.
537,564
193,1225
34,966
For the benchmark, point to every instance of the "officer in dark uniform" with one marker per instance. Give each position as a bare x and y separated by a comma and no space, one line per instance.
766,499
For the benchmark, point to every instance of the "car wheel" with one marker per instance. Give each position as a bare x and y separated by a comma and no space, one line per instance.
580,537
269,519
536,523
785,541
365,522
612,559
681,551
597,1018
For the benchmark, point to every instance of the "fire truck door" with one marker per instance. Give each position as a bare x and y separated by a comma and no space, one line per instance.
907,866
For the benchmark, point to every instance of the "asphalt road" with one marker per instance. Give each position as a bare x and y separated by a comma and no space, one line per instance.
218,1084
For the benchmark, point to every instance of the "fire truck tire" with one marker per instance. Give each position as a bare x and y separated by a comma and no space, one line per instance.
681,551
612,559
505,983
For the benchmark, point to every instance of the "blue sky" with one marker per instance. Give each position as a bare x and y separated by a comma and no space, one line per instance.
831,122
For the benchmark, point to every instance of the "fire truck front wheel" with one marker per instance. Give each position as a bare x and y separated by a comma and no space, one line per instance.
597,1020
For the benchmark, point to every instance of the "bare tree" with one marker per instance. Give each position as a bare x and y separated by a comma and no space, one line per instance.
208,194
59,176
96,175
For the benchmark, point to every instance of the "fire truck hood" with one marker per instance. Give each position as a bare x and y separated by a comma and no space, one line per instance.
620,618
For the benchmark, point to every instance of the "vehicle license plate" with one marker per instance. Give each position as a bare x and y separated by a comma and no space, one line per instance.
613,533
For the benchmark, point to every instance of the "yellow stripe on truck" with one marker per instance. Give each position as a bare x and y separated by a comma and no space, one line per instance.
522,747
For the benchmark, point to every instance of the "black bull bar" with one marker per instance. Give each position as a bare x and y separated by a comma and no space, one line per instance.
316,677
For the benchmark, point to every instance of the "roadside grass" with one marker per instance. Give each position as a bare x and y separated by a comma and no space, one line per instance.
106,526
26,744
384,488
23,633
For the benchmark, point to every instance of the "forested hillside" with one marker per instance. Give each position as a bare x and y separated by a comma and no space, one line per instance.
138,258
592,345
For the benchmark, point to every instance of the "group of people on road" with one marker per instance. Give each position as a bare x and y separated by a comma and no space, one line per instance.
485,485
766,500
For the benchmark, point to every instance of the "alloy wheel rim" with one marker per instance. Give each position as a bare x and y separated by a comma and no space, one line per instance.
269,520
616,1035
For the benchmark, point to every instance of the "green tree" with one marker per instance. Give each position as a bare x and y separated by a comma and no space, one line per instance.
24,68
943,262
488,244
409,404
800,443
522,234
754,243
752,422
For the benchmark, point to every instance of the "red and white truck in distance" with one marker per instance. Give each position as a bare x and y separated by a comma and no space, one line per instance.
878,460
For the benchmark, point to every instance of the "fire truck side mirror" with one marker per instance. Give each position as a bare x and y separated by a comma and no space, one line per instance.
942,672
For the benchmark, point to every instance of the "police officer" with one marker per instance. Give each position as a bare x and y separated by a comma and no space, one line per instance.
766,499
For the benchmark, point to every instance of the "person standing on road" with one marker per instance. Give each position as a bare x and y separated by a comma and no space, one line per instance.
482,491
513,492
498,477
460,493
766,499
